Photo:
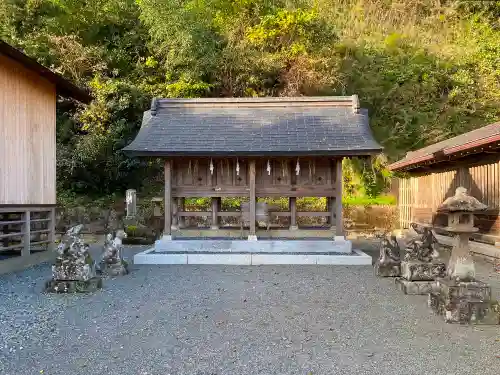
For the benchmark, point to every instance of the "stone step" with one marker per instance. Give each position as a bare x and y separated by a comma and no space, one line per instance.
151,256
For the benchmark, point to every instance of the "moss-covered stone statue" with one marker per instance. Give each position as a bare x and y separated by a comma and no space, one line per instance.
74,269
112,262
388,263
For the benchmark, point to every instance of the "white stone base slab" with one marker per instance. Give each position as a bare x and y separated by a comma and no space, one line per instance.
261,246
358,258
226,258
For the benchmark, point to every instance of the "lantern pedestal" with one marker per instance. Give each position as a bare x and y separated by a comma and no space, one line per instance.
464,302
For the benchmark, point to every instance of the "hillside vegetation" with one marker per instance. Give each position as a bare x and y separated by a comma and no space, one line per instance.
425,69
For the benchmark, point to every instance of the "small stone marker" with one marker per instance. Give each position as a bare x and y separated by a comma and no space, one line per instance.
131,202
74,269
157,207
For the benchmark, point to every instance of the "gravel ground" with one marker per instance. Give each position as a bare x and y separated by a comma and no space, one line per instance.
214,320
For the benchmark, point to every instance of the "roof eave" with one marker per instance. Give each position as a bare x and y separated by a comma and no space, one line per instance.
145,153
63,86
439,155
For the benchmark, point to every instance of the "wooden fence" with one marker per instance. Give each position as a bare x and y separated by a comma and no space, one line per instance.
421,195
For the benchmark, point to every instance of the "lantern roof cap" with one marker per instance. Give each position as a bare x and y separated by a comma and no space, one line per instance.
462,201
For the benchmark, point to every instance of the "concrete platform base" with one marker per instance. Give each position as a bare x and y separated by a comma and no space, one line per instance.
244,252
357,257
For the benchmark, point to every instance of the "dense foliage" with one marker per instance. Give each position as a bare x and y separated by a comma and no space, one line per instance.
426,70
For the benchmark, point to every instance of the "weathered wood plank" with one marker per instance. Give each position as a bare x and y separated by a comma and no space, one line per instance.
313,214
217,191
194,213
40,231
12,247
12,234
40,242
18,209
12,222
296,191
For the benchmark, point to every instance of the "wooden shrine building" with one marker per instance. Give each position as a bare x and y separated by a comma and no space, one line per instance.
28,94
471,160
251,148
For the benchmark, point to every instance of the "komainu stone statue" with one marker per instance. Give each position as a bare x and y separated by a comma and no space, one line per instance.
74,269
460,297
388,263
112,262
421,265
422,248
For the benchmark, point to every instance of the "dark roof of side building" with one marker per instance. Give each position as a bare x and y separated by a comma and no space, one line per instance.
63,86
255,126
467,143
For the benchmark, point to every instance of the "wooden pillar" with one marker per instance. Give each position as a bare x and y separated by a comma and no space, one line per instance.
215,210
339,224
175,210
52,229
25,251
180,207
331,209
253,199
167,230
292,203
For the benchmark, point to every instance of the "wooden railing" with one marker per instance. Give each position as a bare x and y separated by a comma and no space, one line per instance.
26,229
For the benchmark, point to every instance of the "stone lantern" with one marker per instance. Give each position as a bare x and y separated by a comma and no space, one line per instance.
459,297
460,209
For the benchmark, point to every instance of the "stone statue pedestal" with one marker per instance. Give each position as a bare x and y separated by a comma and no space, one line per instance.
418,277
464,302
73,286
115,269
387,269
